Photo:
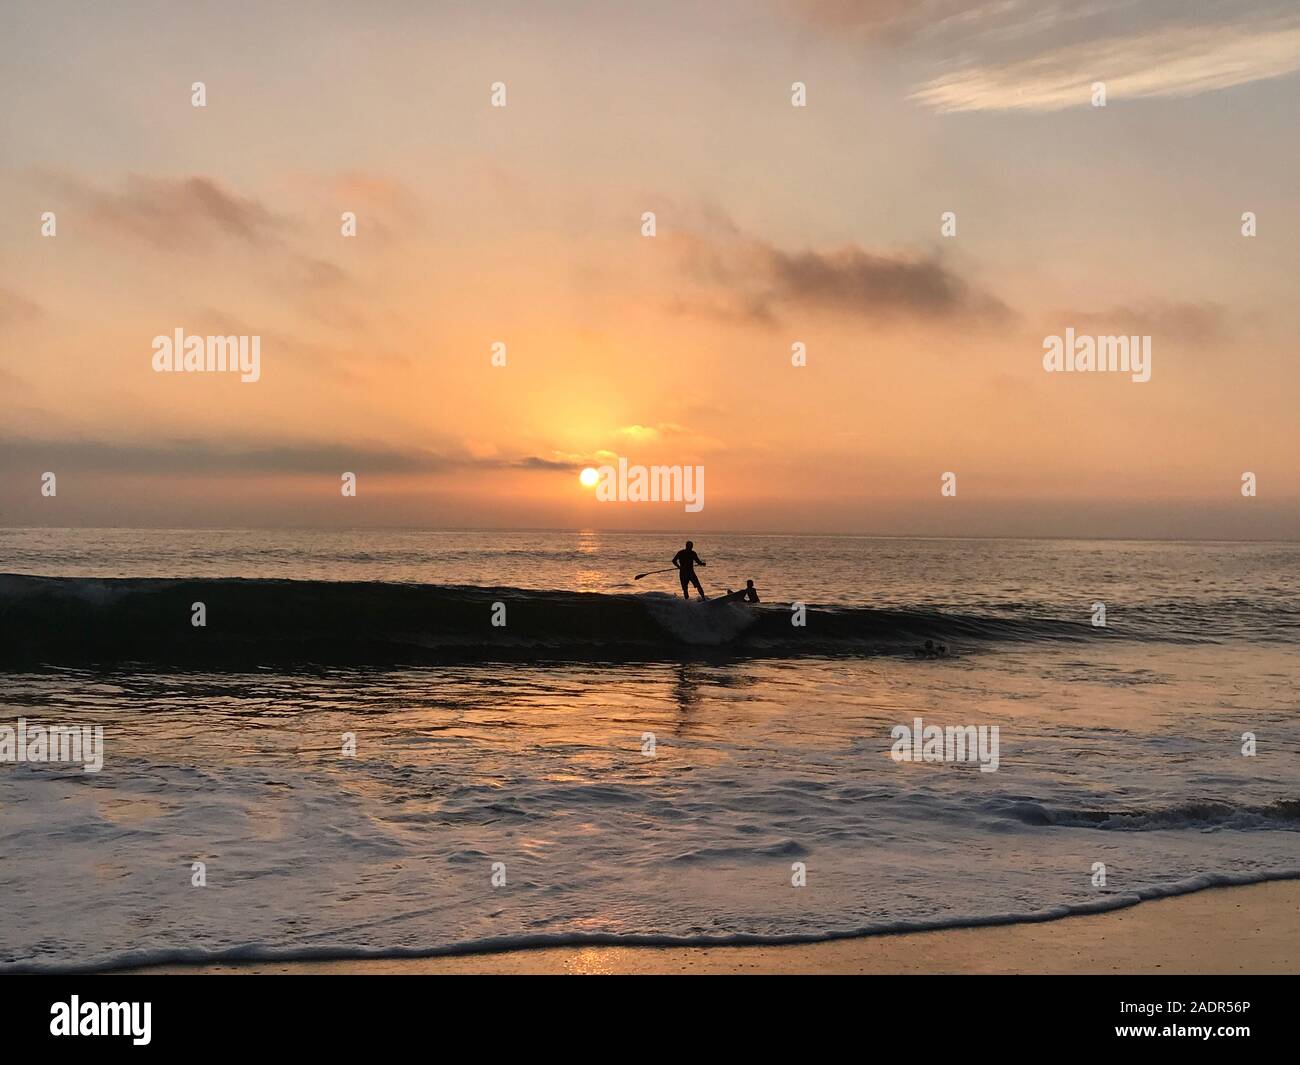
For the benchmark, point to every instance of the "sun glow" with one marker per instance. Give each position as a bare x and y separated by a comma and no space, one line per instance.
588,477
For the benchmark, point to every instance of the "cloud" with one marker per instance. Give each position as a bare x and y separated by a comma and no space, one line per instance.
198,457
185,214
893,21
387,209
530,462
646,433
1171,63
1197,323
671,435
16,309
198,216
752,281
1044,55
322,291
856,281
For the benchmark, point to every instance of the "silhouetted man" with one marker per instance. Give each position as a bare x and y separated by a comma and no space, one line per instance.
686,561
751,593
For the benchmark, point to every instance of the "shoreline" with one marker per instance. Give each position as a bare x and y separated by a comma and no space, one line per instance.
1239,929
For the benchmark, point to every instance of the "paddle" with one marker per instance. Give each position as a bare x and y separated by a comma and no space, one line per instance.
649,572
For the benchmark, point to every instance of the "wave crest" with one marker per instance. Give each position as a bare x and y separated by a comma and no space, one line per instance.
77,620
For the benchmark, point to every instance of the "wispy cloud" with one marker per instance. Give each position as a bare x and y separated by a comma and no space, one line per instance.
1197,323
199,216
186,214
1173,62
896,21
1044,55
16,309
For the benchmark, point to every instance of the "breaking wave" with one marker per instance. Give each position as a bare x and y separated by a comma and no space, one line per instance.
258,952
78,620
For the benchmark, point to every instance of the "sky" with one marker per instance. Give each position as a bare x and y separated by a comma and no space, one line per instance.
775,225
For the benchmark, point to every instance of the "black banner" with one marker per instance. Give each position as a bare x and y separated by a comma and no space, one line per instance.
303,1013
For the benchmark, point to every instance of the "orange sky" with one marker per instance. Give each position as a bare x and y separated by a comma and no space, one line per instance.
775,225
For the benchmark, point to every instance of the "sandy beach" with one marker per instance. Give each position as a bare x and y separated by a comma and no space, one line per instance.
1253,929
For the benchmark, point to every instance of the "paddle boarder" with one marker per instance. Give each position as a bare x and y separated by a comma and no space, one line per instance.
686,560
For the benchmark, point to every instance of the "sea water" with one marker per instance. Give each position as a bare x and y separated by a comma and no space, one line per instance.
711,780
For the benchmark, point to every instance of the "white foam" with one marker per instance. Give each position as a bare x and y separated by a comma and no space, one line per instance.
759,764
697,622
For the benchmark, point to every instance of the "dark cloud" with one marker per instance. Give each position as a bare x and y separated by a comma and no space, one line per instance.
752,281
858,282
534,462
197,457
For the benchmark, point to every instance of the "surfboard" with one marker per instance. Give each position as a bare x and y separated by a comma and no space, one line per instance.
730,597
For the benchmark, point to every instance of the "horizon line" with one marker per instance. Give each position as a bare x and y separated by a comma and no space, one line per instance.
643,532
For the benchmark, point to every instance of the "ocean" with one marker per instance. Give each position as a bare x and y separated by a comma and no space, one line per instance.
388,743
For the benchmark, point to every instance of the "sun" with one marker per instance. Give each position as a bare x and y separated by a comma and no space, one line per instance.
588,477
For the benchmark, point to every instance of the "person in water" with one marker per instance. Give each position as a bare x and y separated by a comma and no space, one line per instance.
751,593
686,560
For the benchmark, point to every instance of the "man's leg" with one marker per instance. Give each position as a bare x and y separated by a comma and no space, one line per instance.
686,579
696,581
